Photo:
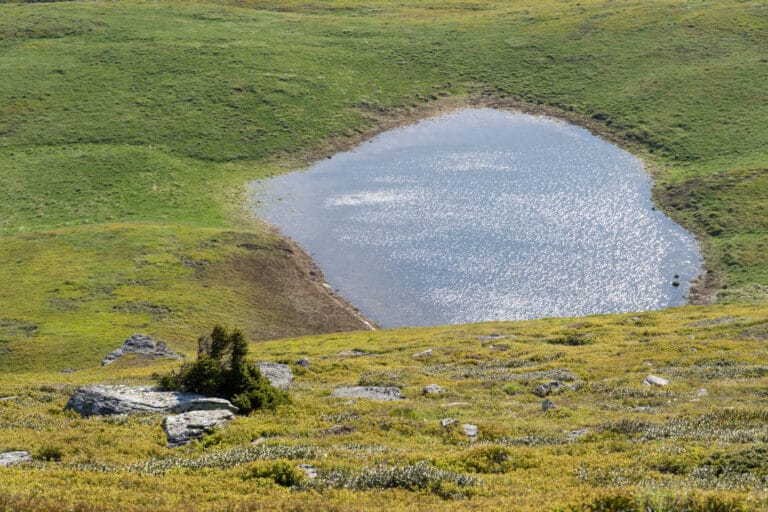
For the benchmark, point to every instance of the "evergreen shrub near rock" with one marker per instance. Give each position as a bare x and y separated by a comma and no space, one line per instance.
222,370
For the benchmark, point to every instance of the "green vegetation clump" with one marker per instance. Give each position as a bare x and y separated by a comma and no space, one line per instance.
222,370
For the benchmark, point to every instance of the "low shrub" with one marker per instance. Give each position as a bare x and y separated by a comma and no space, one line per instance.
222,370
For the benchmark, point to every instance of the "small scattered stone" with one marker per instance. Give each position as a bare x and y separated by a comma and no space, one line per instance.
12,458
309,470
642,408
339,430
68,370
181,429
8,398
425,353
432,389
303,362
446,422
494,336
279,375
573,435
369,392
353,353
456,404
471,431
547,388
547,405
653,380
702,392
499,348
143,345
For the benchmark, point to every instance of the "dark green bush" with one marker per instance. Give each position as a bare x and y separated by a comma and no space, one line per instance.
222,370
281,472
49,453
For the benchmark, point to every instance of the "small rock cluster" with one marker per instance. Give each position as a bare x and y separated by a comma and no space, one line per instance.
140,344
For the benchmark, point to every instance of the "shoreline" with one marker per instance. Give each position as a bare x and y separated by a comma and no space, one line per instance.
702,289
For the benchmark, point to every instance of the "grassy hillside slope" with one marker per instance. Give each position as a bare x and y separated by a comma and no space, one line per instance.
128,131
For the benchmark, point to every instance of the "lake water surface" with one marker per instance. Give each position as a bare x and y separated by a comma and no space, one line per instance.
484,215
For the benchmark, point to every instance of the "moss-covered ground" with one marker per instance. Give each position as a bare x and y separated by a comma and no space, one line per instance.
128,131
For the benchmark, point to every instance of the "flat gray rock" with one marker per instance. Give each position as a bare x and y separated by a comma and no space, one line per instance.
471,431
369,392
653,380
279,375
432,389
110,400
423,354
12,458
141,344
181,429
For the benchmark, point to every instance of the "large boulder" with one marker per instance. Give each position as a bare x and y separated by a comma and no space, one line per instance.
279,375
181,429
369,392
12,458
141,344
109,400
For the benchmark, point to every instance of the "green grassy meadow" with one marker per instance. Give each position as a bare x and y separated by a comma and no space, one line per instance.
128,131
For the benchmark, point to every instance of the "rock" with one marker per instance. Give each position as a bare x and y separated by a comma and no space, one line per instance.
369,392
12,458
353,353
456,404
425,353
303,362
181,429
573,435
471,431
702,392
140,344
279,375
339,430
494,336
547,405
432,389
109,400
446,422
653,380
71,370
8,398
547,388
309,470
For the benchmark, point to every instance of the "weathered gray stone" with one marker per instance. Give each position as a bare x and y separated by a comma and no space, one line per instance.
471,431
573,435
423,354
12,458
110,400
141,344
494,336
369,392
653,380
432,389
309,470
547,405
303,362
446,422
279,375
181,429
547,388
353,353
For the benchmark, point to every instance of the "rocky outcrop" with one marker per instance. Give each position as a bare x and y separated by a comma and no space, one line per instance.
181,429
279,375
141,344
13,458
471,431
369,392
110,400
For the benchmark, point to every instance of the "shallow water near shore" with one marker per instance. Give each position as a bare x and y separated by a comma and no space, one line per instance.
484,215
